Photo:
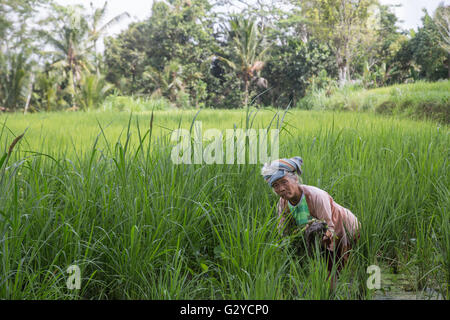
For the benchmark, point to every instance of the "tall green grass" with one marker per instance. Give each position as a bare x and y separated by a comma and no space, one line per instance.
420,100
118,103
102,193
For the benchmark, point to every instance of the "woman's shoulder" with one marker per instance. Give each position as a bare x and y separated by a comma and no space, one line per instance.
313,191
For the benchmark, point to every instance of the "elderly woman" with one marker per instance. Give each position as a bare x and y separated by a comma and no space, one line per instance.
300,203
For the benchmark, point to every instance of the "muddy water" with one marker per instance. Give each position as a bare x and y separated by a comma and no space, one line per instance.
401,287
428,294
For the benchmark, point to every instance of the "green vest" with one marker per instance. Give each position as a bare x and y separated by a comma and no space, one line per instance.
300,212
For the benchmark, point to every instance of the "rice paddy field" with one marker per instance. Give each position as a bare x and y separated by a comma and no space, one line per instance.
99,190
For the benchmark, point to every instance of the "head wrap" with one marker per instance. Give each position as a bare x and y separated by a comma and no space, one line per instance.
279,168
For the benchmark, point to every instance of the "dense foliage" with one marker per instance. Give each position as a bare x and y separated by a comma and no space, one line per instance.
196,53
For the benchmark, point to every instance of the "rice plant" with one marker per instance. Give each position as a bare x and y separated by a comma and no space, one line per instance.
101,192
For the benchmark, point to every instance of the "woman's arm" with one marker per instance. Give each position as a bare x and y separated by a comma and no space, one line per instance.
322,211
284,223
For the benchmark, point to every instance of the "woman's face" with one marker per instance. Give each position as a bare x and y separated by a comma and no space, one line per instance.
287,188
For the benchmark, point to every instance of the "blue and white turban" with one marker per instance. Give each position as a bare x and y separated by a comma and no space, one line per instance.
279,168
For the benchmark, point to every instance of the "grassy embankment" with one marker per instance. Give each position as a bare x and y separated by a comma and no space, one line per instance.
420,100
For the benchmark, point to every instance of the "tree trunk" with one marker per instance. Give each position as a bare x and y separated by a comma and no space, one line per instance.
347,60
341,67
342,75
448,66
73,92
303,33
246,84
30,91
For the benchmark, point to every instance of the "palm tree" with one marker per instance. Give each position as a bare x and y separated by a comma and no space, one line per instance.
71,46
248,53
95,30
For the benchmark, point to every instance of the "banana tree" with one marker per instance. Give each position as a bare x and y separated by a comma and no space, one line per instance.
93,90
169,82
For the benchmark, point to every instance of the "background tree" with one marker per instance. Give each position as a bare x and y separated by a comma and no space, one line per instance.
248,53
48,94
340,23
12,81
16,24
314,43
169,82
177,31
427,51
442,22
97,29
68,37
93,90
72,35
125,59
17,52
375,59
296,63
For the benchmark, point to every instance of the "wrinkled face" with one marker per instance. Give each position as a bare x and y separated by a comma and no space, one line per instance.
286,188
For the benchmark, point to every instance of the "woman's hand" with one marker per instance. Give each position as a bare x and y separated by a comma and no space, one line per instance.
327,239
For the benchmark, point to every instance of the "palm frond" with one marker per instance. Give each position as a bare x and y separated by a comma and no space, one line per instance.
114,21
230,63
